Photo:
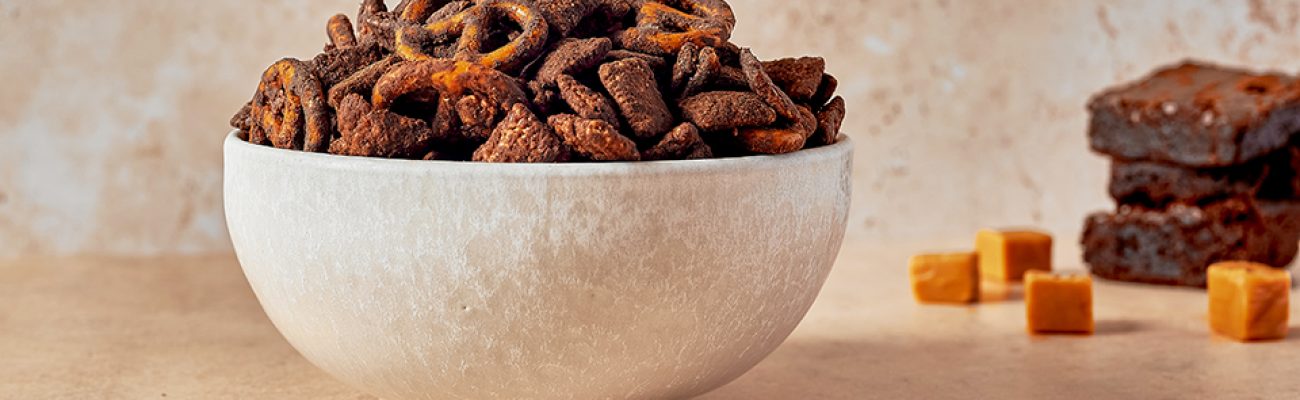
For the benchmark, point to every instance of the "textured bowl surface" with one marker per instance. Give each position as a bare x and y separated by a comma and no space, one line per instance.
447,280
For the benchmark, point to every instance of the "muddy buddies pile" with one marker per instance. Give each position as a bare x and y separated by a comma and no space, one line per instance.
541,81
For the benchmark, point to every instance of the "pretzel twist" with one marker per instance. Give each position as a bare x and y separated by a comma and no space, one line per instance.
468,27
451,79
663,30
289,107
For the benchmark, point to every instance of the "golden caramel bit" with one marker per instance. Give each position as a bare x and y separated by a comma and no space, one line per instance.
1057,303
944,277
1006,255
521,138
595,139
1248,301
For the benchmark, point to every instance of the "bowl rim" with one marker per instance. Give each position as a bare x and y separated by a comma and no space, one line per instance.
842,147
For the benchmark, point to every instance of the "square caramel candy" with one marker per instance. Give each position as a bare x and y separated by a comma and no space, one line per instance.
1005,255
945,277
1057,303
1248,301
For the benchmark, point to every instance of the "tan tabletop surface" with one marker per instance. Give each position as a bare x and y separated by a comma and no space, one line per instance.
189,327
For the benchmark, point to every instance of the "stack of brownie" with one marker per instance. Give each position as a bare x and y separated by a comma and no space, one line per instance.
1204,169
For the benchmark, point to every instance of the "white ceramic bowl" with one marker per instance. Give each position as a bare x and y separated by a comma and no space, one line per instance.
450,280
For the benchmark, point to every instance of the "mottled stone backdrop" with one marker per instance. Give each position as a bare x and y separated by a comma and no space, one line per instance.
965,113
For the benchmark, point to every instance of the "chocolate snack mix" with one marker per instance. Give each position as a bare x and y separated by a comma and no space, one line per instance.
542,81
1204,169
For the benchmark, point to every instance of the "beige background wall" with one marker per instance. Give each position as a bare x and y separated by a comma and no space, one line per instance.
965,113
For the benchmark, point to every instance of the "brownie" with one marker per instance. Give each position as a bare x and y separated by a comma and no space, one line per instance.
1151,184
1196,115
1173,246
1282,219
1283,179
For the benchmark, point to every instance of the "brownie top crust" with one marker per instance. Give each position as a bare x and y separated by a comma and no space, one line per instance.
1196,115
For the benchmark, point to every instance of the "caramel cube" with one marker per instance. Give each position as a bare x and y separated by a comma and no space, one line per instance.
1248,301
945,278
1005,255
1056,303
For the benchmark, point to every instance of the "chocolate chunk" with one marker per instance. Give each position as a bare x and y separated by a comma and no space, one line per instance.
765,88
1173,246
594,139
717,111
521,138
798,77
573,56
1196,115
586,102
1150,184
632,84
